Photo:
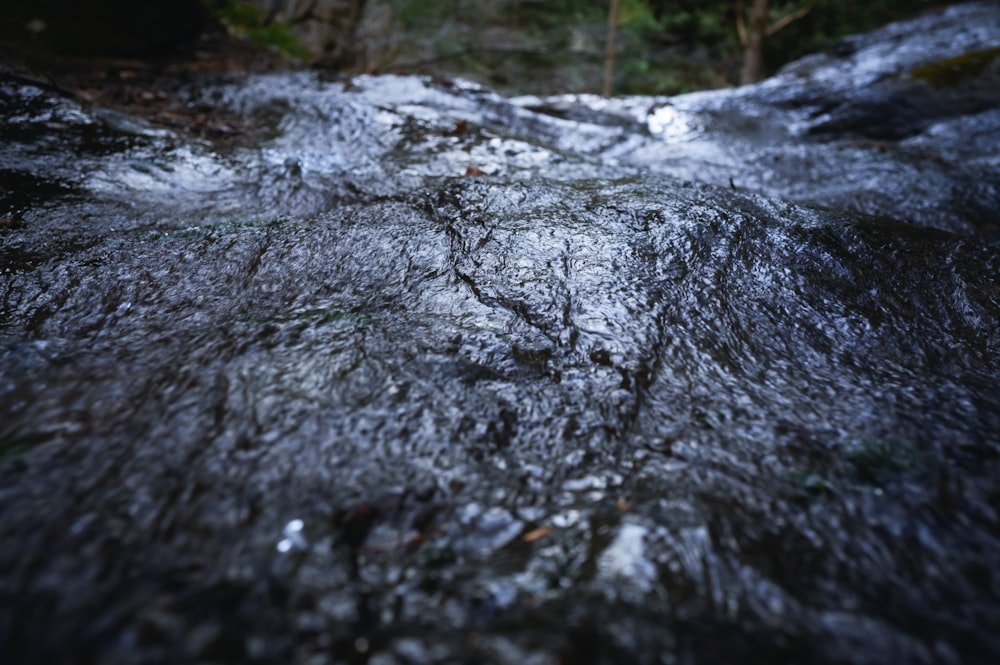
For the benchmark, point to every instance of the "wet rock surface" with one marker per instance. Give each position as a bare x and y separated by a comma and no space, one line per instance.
422,374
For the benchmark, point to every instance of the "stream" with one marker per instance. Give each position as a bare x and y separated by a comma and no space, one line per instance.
421,374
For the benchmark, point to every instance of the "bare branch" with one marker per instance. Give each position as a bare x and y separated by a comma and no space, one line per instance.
741,23
305,15
791,18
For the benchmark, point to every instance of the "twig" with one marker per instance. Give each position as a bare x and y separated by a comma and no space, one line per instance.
791,18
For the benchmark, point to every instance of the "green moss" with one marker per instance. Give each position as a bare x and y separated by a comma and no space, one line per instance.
872,462
245,19
877,461
16,447
279,36
436,556
953,71
328,316
810,485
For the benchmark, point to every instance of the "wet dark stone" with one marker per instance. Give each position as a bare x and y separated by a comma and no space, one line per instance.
660,380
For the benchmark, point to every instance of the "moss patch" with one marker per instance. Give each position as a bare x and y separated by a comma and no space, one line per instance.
17,447
326,316
953,71
808,485
877,461
246,20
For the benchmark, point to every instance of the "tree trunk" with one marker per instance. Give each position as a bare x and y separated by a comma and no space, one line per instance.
609,50
753,45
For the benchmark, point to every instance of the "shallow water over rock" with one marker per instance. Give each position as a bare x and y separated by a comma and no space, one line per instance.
427,375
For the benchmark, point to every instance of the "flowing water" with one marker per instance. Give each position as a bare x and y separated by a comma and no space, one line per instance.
419,374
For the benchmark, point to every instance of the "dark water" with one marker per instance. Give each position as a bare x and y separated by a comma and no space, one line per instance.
424,375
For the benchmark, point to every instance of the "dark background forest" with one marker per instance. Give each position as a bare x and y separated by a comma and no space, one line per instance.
516,46
662,47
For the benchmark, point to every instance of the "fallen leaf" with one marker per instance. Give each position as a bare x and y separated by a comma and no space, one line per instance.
536,534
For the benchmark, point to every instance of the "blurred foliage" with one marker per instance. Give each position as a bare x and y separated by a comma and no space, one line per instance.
517,46
547,46
831,20
664,46
252,22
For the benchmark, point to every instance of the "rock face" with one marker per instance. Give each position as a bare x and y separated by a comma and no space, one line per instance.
426,375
